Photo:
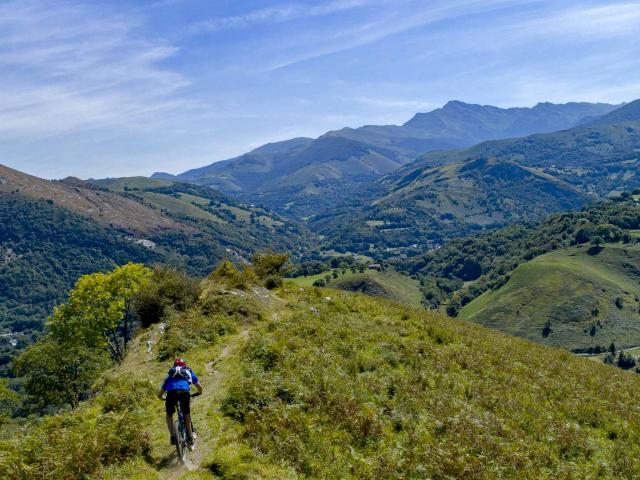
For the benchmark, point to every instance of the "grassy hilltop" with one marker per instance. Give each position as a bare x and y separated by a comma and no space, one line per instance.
318,383
570,298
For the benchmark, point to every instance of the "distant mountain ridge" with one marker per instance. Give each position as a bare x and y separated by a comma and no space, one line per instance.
293,175
449,193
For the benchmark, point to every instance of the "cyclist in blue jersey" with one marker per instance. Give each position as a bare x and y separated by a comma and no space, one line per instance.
177,386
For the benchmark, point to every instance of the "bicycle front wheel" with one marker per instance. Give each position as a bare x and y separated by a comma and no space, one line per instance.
181,442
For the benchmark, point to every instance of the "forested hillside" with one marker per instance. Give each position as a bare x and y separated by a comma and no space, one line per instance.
582,298
488,258
317,383
52,232
444,202
44,249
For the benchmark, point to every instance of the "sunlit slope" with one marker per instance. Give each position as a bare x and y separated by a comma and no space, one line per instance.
388,284
299,385
583,298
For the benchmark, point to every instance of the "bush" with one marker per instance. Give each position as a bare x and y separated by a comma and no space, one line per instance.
626,361
75,445
9,399
191,330
227,274
218,313
168,288
270,268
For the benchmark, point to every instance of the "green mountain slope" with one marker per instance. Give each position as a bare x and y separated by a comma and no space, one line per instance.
298,386
452,193
386,284
447,201
466,267
304,177
569,298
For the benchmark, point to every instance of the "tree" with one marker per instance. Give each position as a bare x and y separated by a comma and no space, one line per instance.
98,314
597,241
626,361
9,399
56,375
453,308
547,330
619,302
268,264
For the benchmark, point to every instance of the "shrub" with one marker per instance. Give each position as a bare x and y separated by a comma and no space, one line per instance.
626,361
168,288
9,399
75,445
270,268
227,274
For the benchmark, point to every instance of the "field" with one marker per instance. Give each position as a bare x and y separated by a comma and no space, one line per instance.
569,298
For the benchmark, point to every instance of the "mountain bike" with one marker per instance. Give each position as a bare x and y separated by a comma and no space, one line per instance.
181,433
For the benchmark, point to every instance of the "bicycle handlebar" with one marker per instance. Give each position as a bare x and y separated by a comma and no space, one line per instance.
197,394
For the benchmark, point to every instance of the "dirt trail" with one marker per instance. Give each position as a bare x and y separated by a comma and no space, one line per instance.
170,468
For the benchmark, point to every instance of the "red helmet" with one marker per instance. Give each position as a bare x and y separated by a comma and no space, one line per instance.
179,362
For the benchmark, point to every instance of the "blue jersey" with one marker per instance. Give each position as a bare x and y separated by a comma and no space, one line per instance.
178,382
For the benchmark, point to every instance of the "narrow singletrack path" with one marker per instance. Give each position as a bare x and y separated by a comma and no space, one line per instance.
170,468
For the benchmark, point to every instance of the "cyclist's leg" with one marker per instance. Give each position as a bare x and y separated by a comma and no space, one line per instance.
170,407
185,405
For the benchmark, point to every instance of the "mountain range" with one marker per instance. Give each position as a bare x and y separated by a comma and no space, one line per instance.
305,176
446,193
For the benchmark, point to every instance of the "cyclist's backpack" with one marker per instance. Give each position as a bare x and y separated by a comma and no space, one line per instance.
181,372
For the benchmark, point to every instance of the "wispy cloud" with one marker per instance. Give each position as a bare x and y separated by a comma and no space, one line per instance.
276,14
401,17
73,67
596,21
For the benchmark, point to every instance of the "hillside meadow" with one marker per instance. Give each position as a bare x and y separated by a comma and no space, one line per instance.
302,382
574,297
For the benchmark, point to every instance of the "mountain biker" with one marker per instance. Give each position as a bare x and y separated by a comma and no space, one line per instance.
177,385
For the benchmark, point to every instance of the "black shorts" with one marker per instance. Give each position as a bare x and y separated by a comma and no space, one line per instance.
175,396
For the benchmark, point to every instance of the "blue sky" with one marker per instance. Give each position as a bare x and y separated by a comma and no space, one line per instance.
97,88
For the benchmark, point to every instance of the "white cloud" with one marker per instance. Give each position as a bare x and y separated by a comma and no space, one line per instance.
70,67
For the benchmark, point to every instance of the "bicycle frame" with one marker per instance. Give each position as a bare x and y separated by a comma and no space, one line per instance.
181,433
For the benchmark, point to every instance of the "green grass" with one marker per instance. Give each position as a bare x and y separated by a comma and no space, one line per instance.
387,284
355,387
573,290
131,183
308,280
177,206
187,197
